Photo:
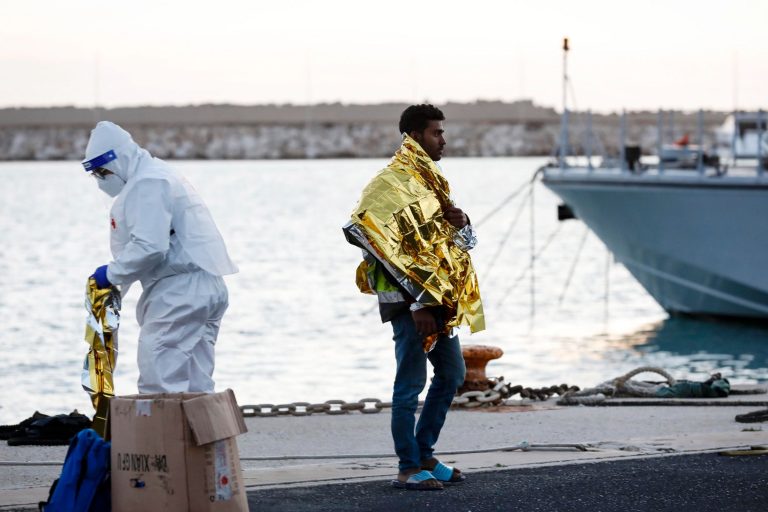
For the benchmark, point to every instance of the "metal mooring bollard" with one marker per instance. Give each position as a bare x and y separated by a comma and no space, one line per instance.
475,358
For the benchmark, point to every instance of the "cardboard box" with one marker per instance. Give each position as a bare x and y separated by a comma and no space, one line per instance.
176,452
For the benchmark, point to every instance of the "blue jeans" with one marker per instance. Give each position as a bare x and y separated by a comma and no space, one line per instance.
414,445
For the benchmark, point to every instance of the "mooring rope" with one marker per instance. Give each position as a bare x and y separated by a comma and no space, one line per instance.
523,446
621,385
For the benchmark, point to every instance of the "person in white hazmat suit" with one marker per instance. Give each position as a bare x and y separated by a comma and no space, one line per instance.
162,235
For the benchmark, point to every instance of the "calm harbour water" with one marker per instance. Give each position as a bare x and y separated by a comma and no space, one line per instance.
297,328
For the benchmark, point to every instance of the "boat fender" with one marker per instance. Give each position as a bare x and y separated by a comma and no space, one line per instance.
564,212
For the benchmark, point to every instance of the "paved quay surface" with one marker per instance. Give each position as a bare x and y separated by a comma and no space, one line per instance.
651,452
673,483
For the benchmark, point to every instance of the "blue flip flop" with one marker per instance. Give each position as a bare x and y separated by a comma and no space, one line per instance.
416,482
445,474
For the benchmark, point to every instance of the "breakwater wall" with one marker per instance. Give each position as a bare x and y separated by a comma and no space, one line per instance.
324,131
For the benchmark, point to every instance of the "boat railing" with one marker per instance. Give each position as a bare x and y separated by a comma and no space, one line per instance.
690,157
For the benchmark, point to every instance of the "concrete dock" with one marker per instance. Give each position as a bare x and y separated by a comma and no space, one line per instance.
319,450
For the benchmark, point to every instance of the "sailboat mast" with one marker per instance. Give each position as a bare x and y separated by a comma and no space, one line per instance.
565,72
564,121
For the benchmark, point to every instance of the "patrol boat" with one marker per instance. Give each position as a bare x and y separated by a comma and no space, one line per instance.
696,240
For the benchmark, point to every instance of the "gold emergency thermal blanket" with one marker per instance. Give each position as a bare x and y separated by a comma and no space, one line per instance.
399,221
103,306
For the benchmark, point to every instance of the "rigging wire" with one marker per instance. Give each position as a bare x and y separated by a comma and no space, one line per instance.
505,238
573,266
533,251
503,203
607,281
573,95
525,271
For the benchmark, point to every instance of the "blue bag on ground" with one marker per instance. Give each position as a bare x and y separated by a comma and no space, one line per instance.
84,482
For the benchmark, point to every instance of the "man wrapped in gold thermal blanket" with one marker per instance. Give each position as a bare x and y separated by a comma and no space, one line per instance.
411,253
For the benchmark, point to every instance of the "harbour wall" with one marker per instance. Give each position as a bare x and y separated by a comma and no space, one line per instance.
329,130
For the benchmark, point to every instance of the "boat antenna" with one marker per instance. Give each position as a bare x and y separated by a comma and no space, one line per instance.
564,122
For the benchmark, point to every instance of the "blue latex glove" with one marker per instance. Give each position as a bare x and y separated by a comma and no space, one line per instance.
100,275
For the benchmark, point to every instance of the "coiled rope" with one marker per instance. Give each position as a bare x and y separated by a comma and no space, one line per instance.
620,386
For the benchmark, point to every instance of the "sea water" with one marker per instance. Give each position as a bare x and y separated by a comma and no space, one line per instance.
297,328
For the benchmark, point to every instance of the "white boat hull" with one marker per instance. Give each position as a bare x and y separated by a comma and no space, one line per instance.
699,245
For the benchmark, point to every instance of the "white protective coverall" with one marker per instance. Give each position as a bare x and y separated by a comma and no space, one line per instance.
163,235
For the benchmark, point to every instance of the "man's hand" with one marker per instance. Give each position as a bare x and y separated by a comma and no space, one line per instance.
425,322
456,217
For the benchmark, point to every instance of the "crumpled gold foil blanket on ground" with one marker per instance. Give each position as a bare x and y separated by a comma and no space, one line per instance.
399,220
103,306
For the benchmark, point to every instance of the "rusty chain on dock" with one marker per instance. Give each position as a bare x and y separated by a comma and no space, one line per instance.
497,392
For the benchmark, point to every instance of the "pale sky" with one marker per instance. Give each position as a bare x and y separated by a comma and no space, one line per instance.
636,55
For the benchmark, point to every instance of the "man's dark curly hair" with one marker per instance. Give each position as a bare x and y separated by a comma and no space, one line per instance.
416,118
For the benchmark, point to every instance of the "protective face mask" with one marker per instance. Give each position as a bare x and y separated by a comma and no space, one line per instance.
111,185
